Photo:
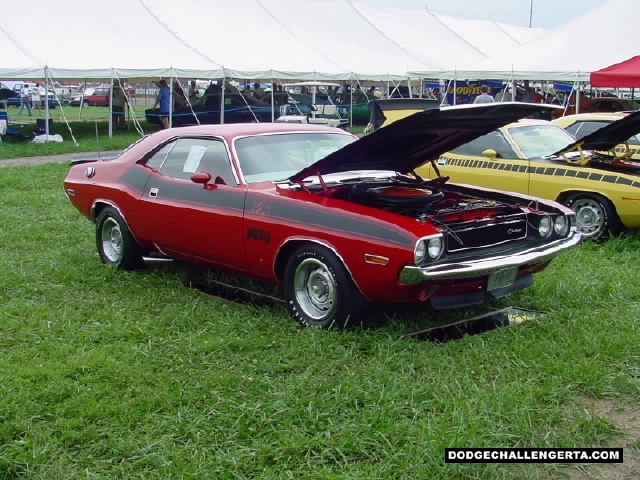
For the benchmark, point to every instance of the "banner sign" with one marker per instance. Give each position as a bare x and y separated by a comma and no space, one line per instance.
466,92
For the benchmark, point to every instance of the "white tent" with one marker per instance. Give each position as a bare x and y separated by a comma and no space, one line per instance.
90,40
328,37
602,37
267,39
422,34
490,37
301,39
311,39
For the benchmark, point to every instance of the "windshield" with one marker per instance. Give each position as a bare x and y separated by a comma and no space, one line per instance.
276,157
540,140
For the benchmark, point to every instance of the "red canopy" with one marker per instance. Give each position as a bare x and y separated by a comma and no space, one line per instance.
623,75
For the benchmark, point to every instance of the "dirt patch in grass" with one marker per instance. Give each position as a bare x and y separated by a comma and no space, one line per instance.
626,418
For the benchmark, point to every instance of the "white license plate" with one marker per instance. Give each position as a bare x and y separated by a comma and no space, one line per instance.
502,278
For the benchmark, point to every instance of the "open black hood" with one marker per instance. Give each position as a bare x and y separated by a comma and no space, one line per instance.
606,138
407,143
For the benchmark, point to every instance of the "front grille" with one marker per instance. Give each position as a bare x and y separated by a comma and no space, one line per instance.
487,234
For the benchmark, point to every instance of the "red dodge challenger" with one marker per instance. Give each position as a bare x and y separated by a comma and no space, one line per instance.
339,222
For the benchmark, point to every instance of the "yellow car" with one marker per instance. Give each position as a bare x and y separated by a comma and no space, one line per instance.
539,158
583,124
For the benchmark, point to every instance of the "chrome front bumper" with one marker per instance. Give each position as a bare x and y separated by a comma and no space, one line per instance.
412,274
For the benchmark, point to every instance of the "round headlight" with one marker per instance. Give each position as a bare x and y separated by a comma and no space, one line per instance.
560,225
435,247
421,251
544,227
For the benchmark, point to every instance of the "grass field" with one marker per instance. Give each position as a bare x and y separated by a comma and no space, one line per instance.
88,133
133,375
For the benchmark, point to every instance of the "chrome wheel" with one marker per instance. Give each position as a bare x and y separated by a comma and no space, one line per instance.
320,291
596,216
116,245
112,243
590,217
315,289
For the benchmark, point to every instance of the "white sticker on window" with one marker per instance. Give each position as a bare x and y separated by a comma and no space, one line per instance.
193,160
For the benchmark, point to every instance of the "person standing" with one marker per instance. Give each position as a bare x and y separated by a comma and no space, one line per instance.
36,99
484,96
164,100
25,100
258,91
118,103
194,94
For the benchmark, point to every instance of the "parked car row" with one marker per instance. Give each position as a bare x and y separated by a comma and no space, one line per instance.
17,88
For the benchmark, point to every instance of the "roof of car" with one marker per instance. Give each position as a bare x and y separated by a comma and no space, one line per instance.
609,136
579,117
235,129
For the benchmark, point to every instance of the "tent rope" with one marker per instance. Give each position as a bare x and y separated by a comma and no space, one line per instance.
132,110
64,117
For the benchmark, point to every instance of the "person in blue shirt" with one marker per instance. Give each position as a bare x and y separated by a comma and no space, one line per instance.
164,100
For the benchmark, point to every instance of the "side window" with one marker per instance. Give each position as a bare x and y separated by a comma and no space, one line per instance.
494,140
186,156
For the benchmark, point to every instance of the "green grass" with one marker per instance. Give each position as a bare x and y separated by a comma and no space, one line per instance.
132,375
91,132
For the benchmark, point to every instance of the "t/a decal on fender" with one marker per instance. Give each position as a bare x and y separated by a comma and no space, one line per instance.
259,235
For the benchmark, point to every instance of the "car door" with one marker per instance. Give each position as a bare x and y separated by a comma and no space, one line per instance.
186,219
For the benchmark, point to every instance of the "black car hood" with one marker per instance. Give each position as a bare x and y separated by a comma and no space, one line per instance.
407,143
607,137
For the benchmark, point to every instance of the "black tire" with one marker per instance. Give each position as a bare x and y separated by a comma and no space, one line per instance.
116,245
85,104
320,292
596,215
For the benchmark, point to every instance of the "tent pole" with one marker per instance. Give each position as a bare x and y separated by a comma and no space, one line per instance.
46,101
351,104
171,102
111,107
84,88
222,89
273,96
455,91
350,100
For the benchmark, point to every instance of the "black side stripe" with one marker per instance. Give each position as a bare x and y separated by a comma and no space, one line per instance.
550,171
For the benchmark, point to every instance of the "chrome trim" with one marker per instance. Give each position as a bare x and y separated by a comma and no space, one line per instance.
411,274
426,240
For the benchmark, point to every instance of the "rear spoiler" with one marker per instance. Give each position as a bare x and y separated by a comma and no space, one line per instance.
95,157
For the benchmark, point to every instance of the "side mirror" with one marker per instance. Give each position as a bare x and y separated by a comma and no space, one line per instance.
204,178
490,153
